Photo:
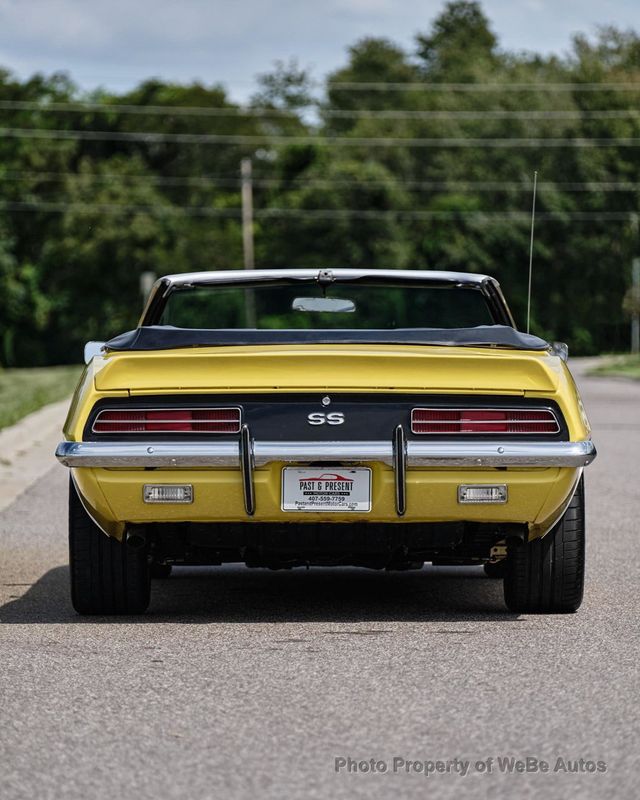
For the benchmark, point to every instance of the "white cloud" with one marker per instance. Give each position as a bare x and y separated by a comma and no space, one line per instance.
118,42
366,6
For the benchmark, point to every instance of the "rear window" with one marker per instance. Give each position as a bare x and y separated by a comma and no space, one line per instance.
340,306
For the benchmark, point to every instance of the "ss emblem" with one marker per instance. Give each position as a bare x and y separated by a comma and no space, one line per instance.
320,418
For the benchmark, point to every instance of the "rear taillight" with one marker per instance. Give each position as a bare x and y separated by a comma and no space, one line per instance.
169,420
483,420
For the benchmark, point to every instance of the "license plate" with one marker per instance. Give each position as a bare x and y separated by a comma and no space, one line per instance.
331,489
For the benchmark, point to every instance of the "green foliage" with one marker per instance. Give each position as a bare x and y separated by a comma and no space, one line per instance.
619,367
80,219
335,240
25,390
114,230
288,87
460,45
24,306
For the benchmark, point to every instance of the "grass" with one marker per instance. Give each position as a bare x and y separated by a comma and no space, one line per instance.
619,367
25,390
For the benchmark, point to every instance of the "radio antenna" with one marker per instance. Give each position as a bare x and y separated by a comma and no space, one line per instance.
533,222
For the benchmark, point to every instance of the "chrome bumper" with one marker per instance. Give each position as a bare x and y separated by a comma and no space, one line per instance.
136,455
246,454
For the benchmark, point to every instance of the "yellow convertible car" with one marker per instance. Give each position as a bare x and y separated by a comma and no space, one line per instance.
283,418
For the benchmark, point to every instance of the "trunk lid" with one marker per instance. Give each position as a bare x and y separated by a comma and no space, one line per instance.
328,368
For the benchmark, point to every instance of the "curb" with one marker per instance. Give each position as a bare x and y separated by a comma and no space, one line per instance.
26,449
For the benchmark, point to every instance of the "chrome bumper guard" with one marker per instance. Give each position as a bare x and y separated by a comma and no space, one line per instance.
397,453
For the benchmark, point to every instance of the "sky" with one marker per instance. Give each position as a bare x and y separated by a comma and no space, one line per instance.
117,43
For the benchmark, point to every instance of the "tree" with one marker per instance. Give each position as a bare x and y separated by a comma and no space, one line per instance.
460,46
115,227
288,87
80,218
25,308
337,238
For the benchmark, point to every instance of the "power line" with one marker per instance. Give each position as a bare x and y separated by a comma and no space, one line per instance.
363,86
319,213
490,86
341,141
481,114
493,114
521,216
150,110
234,182
387,114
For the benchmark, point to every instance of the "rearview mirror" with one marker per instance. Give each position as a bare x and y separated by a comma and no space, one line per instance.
561,350
323,304
92,349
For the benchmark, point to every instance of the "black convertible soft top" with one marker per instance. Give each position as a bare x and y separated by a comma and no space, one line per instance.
166,337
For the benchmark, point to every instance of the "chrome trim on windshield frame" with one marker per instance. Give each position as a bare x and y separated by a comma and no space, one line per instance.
189,279
164,286
187,455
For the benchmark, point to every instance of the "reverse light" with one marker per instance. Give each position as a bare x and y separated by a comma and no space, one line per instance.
484,420
483,494
168,420
167,493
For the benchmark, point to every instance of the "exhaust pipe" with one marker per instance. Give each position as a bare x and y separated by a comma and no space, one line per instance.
136,538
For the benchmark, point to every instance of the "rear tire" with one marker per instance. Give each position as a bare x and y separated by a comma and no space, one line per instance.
495,569
107,576
546,576
160,571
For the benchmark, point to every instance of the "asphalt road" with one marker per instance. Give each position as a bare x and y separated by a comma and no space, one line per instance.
250,684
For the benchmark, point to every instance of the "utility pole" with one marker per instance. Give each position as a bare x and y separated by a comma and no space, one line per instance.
247,236
147,279
635,314
635,289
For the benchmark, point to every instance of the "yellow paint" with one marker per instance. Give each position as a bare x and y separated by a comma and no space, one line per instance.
535,496
115,496
328,367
